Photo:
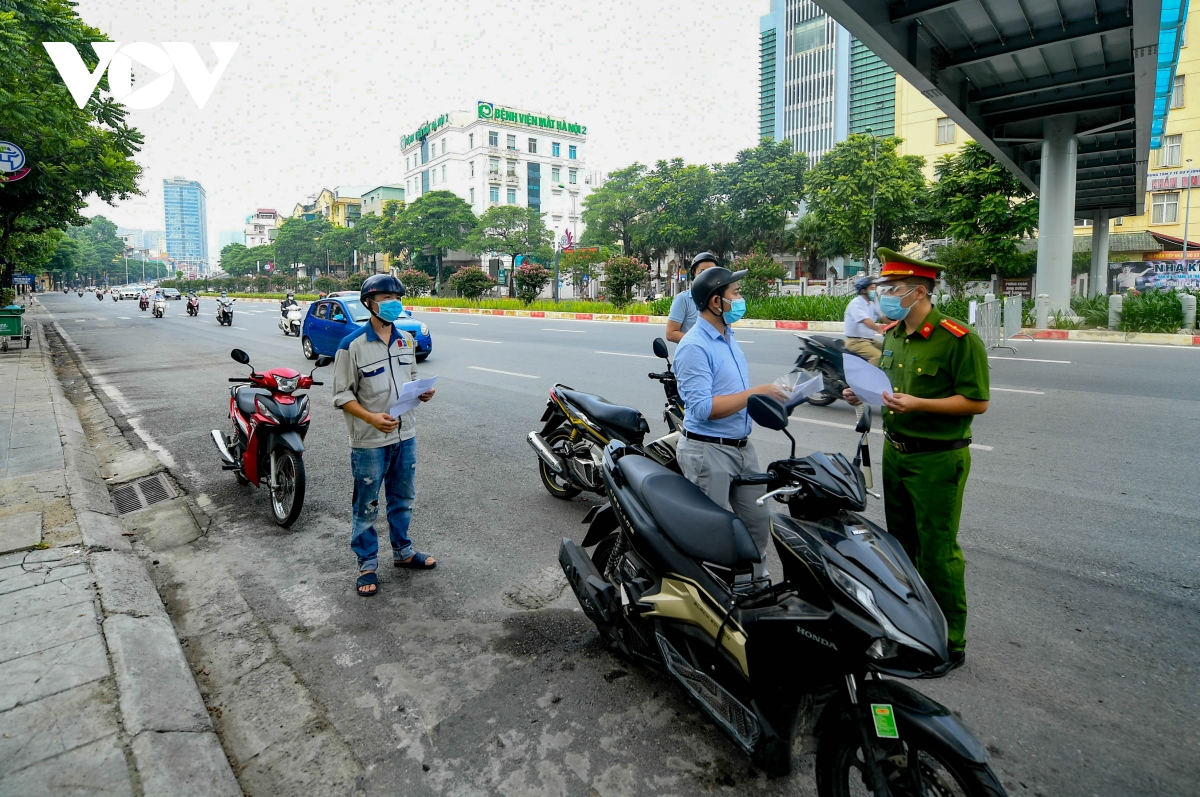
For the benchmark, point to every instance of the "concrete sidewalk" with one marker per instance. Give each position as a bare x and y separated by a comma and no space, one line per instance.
96,696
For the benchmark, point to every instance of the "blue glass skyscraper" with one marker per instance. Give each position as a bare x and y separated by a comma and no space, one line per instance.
186,210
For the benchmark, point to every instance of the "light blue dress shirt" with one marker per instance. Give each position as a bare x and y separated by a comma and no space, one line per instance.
683,311
709,364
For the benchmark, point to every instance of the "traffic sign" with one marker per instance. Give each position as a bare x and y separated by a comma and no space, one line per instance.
22,279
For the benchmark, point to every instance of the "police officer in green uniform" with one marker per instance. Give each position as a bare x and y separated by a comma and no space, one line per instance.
939,371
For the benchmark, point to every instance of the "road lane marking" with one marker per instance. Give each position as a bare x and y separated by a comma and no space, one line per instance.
80,320
464,323
850,426
1032,360
506,373
242,328
574,331
124,318
479,340
1014,390
628,354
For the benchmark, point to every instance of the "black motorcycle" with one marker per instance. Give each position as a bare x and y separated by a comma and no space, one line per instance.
796,665
824,354
577,426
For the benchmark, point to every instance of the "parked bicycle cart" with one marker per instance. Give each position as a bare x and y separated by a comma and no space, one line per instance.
11,326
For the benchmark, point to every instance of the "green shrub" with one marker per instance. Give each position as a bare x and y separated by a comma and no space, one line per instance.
799,308
1152,311
760,282
416,283
621,275
1092,310
1060,320
470,283
530,279
661,306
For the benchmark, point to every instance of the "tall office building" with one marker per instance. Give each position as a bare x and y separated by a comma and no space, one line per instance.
185,205
817,83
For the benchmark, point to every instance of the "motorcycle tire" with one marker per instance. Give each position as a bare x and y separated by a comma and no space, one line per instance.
556,485
288,499
307,347
840,766
822,398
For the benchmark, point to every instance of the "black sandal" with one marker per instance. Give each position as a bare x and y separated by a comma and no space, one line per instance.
366,580
418,561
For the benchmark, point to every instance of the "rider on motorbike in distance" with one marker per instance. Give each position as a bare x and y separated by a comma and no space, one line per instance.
289,303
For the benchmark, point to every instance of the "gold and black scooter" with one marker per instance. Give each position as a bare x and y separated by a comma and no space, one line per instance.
795,666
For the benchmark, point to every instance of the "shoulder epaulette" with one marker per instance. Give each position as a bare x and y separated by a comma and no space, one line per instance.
888,328
956,329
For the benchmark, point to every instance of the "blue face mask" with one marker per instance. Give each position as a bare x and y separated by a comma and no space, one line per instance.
891,307
737,309
872,295
390,310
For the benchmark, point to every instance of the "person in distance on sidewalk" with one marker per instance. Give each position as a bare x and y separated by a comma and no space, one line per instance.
683,314
370,366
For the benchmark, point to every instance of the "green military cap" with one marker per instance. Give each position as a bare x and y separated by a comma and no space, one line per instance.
896,265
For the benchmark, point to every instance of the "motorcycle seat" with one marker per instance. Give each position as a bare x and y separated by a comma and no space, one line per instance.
687,516
625,420
245,398
836,344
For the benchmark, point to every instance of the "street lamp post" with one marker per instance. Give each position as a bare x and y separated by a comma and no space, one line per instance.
874,190
1187,213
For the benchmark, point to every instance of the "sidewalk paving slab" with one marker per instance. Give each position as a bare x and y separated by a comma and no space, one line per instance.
46,598
51,671
20,532
98,769
184,765
56,724
49,630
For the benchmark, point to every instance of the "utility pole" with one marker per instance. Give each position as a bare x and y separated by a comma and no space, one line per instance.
874,189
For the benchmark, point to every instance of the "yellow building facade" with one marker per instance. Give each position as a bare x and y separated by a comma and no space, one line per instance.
341,211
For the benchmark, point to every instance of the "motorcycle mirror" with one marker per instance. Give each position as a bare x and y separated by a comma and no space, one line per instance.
240,356
323,361
767,412
864,423
660,348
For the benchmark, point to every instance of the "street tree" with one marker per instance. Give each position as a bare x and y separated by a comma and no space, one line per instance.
682,212
365,242
621,275
763,270
529,280
298,242
512,231
471,282
583,262
612,211
438,221
863,184
980,202
72,153
66,260
763,188
416,282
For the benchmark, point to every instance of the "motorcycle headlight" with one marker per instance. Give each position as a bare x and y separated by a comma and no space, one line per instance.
861,594
285,384
262,409
424,331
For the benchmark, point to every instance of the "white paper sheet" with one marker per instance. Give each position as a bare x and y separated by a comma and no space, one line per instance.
409,393
868,382
804,390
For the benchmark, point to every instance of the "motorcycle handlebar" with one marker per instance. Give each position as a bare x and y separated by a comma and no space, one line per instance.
318,383
751,478
661,377
239,379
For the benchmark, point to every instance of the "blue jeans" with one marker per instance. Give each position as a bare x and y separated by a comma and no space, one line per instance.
394,468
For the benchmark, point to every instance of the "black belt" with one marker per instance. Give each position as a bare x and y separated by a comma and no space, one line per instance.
721,441
910,445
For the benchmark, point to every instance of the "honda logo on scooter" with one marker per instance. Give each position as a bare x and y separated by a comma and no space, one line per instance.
163,61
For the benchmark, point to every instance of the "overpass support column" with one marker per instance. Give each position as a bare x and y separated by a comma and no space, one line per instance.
1098,276
1056,213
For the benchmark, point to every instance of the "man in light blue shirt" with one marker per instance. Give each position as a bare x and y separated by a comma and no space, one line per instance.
715,384
683,314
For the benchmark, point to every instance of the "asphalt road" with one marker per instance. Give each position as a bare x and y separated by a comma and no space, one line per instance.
1081,528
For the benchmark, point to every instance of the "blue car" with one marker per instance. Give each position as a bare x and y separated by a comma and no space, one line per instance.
334,317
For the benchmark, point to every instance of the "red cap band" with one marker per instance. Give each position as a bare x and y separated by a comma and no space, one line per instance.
893,268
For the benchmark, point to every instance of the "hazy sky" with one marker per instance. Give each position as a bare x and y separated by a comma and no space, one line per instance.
318,95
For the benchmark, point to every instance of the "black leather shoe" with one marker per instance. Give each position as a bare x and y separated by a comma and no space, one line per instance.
957,659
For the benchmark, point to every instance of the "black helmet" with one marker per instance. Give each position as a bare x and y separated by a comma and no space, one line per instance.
711,281
703,257
863,282
380,283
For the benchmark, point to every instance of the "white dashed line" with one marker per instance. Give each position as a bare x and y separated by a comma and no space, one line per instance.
1014,390
628,354
506,373
1032,360
464,323
124,318
478,340
80,320
574,331
242,328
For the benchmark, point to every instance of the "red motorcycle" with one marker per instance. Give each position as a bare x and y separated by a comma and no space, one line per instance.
143,302
269,425
193,305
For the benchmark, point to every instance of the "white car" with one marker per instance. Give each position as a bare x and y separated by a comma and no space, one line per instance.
130,292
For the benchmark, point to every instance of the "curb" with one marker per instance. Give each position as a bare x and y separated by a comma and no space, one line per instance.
1108,336
168,726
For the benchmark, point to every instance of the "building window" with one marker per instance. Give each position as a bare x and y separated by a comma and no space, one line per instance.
470,141
945,130
1171,151
1177,92
571,176
512,168
493,138
443,146
494,167
433,176
555,149
1083,222
443,172
1120,220
472,196
809,36
555,175
1165,208
512,196
406,166
572,152
533,146
472,165
494,194
511,140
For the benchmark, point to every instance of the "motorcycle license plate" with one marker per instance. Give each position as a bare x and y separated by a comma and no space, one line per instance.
885,721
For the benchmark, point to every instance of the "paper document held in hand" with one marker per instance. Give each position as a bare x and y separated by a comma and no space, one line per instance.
868,382
409,393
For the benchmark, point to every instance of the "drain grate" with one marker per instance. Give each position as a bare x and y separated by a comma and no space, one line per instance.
142,493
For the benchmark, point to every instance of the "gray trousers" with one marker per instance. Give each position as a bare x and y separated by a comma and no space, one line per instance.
711,467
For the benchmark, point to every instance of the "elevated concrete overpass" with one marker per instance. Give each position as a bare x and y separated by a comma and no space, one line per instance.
1071,95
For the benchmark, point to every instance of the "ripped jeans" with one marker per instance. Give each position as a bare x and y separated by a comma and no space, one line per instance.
393,467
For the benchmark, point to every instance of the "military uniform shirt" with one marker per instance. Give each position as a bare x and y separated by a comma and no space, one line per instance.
934,362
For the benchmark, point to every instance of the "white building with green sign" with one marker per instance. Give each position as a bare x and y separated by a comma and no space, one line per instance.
499,155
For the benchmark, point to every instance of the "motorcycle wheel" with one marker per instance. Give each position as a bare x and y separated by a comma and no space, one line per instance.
822,398
603,551
288,498
556,485
307,347
841,769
